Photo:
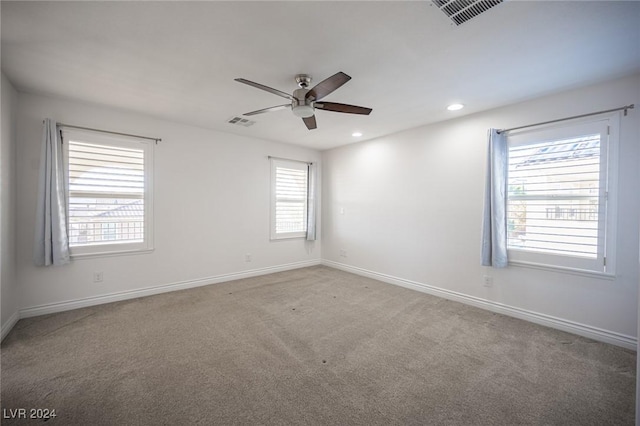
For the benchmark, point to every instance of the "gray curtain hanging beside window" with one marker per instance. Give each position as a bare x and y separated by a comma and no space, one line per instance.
494,226
311,202
51,238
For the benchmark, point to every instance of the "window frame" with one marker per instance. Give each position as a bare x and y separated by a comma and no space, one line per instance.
109,140
605,262
293,164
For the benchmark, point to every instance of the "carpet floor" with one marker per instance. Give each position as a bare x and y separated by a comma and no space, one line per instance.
313,346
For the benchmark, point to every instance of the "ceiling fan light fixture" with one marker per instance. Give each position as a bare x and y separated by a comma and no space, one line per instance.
455,107
303,111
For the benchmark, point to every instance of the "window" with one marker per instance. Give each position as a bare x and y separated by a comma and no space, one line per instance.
559,196
109,193
289,186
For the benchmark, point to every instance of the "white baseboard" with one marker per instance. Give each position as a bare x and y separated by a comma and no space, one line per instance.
6,327
542,319
149,291
584,330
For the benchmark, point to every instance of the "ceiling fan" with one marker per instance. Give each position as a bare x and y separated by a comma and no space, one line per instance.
305,101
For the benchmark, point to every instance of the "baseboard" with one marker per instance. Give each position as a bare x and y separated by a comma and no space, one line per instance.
6,327
149,291
535,317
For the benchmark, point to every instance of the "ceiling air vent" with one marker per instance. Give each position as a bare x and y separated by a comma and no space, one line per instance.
239,121
461,11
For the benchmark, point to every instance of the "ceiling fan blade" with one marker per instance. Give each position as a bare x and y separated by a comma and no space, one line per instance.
270,109
327,86
351,109
265,88
310,122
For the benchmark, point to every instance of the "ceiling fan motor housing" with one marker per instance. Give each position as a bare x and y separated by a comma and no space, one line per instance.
301,106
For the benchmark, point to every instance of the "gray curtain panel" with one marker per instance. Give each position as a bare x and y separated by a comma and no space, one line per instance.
494,226
51,238
311,202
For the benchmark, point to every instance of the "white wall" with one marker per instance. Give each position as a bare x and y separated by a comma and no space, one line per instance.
211,208
413,211
8,283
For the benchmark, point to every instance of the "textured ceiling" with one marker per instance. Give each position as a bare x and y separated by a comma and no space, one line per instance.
177,60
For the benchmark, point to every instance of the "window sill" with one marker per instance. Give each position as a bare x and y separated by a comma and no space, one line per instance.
291,237
84,256
564,270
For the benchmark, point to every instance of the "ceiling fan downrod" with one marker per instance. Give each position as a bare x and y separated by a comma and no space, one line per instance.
303,81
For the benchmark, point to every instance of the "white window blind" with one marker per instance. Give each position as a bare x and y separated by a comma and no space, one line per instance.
557,196
289,199
108,193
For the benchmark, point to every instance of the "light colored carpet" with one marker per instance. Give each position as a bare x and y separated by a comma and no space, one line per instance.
309,346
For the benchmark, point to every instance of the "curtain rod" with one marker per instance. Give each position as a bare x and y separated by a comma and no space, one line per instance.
288,159
70,126
625,108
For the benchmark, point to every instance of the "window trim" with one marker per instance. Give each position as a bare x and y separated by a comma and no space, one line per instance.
564,270
280,162
115,249
604,266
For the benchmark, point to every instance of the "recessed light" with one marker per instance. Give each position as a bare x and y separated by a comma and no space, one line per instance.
455,107
356,134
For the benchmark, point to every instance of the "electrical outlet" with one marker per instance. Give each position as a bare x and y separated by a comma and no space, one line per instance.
247,257
98,277
343,253
487,281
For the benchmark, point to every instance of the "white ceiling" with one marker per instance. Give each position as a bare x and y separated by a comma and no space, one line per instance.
177,60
